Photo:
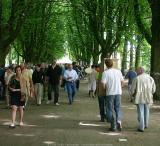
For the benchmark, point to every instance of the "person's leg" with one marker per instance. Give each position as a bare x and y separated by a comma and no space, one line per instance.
39,94
101,107
140,111
36,92
69,91
146,115
49,93
56,93
117,108
21,112
13,115
110,103
73,87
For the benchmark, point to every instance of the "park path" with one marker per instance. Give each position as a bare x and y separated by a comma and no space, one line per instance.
77,124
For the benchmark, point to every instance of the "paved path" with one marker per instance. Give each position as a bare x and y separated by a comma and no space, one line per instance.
77,125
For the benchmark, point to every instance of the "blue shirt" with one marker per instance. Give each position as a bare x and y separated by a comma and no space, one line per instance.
131,75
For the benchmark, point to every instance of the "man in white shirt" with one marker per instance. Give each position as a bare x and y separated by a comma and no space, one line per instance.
112,81
70,75
142,89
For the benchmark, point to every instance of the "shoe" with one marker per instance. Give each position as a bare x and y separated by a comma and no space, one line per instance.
12,126
57,104
112,129
119,126
21,124
139,130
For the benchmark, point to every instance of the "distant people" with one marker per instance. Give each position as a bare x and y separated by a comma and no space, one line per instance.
44,70
17,97
8,74
70,75
92,81
37,78
143,87
77,69
131,74
112,81
54,74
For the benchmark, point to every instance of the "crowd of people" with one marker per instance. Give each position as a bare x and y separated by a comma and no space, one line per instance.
19,83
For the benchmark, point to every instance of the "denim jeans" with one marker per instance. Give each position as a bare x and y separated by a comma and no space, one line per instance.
55,89
114,105
143,115
71,90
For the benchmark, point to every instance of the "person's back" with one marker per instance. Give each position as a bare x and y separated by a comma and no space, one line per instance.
113,81
131,75
145,88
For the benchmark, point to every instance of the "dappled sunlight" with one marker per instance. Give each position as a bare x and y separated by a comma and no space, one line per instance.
110,133
88,124
155,106
49,142
8,122
50,116
132,108
25,135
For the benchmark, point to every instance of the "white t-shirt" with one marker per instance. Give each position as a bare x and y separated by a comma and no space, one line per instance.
112,79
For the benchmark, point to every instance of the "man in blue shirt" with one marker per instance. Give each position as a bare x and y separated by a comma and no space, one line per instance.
131,74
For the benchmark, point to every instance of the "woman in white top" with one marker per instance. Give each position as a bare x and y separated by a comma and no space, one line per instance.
92,82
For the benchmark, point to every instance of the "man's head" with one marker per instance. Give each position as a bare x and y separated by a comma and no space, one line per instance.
140,70
70,66
109,63
54,61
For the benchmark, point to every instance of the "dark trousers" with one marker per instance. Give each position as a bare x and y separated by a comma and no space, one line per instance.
102,102
55,89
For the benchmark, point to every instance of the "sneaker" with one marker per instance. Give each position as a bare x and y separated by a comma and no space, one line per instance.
21,124
12,126
57,104
139,130
112,129
119,126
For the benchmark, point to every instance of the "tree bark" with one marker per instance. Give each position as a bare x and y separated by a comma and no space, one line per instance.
124,57
155,49
131,56
138,53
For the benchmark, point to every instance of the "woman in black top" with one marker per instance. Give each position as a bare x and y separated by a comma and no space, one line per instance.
17,98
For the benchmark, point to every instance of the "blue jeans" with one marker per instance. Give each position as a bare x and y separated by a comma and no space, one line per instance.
71,90
114,104
143,115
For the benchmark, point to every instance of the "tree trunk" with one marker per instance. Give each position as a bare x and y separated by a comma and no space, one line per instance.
3,53
124,57
131,56
155,49
138,53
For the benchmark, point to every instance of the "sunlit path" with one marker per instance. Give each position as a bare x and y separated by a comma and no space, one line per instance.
48,125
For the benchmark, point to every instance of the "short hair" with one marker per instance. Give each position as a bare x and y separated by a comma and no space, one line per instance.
18,66
109,63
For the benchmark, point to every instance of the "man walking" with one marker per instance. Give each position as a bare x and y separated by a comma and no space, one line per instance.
54,74
70,75
112,81
143,87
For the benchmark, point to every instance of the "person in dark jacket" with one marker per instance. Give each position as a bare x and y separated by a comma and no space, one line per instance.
37,78
54,74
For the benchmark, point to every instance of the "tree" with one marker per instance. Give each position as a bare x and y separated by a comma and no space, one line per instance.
12,16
